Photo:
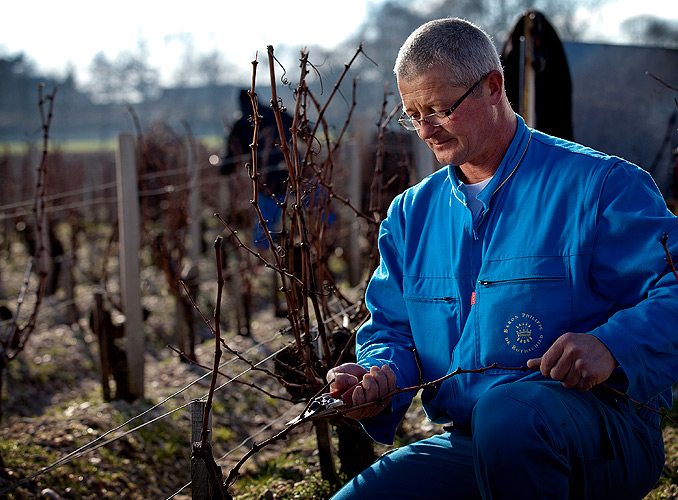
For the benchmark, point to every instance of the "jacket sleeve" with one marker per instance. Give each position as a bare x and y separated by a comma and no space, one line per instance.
386,337
629,266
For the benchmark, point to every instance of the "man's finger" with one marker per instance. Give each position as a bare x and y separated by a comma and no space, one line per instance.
562,369
371,388
358,396
390,378
534,364
390,375
571,378
343,381
551,357
350,368
381,380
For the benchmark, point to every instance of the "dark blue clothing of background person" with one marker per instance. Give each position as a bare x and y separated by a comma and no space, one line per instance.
271,165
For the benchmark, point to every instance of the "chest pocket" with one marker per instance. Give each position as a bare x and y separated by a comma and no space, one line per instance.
434,312
522,306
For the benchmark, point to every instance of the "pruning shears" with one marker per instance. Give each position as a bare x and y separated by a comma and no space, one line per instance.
325,404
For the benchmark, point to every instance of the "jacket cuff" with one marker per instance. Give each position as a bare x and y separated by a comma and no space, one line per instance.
383,427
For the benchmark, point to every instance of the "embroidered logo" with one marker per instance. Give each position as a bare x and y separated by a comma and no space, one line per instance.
523,333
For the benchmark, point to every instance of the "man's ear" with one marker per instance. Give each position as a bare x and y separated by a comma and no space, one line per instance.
495,82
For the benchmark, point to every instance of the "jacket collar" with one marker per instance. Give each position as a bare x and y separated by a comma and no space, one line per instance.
512,158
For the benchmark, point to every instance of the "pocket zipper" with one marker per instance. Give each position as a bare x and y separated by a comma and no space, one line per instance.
494,282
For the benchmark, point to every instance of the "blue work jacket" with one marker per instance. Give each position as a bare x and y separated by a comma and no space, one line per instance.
569,240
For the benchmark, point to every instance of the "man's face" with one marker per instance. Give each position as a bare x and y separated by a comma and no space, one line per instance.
458,141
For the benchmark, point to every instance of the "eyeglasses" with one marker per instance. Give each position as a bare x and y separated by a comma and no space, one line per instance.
438,118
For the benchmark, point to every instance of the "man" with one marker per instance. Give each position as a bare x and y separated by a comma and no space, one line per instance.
525,250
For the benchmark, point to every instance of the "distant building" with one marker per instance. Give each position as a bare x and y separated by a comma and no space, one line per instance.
619,109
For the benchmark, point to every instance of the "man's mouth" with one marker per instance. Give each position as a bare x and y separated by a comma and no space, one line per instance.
438,144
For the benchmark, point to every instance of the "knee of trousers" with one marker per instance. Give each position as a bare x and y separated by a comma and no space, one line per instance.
524,418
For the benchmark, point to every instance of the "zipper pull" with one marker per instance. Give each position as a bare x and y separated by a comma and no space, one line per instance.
477,223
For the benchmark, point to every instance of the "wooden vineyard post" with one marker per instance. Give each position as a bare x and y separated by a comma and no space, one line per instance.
130,285
199,473
98,325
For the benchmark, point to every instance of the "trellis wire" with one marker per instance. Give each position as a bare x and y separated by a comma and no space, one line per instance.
243,443
28,204
92,446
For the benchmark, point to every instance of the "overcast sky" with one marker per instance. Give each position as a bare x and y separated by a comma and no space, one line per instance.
55,34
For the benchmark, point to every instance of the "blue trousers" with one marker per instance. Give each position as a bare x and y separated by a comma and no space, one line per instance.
528,440
271,213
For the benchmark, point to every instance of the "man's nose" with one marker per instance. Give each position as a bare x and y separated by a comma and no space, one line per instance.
426,130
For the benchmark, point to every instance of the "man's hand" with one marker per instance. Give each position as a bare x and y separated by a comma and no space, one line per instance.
577,360
369,386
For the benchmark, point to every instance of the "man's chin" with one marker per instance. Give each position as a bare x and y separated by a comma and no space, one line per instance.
444,158
443,153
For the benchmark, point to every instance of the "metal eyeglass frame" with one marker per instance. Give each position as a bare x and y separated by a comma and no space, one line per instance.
412,124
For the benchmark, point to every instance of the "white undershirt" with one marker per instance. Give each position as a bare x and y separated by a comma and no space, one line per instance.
473,190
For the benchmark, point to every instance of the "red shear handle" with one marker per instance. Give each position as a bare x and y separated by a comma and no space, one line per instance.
345,396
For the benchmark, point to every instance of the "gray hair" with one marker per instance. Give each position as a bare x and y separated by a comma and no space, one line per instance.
464,49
